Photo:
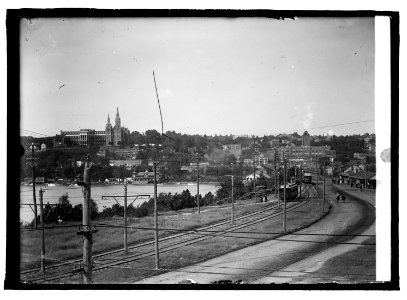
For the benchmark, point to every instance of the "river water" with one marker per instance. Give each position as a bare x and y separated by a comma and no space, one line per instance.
52,194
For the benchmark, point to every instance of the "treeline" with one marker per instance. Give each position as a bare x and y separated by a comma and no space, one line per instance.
64,211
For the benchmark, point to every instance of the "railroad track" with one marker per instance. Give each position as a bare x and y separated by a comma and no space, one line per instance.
169,243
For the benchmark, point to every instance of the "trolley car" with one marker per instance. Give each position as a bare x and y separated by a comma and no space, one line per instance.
307,178
291,191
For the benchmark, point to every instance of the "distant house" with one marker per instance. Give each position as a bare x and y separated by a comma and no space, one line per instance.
40,180
144,177
247,161
260,159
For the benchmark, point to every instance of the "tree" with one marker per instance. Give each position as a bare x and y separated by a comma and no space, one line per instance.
64,207
153,136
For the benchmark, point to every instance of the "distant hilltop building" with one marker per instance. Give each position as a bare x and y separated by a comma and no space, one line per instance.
116,135
306,139
111,136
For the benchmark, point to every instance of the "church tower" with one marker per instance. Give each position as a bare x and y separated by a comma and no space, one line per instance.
109,137
117,120
117,130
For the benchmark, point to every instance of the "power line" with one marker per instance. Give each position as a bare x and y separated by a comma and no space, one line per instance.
342,124
328,126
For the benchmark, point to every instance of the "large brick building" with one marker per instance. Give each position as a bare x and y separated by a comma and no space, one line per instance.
111,136
82,137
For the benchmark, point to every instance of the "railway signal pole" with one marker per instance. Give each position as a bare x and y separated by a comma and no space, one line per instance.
41,191
157,265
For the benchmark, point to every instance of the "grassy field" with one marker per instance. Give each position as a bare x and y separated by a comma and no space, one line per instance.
62,242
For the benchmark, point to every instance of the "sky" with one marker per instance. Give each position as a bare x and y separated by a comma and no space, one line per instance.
214,76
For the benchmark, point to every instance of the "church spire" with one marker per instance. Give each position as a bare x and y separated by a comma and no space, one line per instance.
108,119
117,120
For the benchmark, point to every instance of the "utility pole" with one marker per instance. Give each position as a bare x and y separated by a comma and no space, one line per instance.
275,171
365,178
285,184
157,266
32,162
41,191
86,231
197,182
254,173
278,187
323,197
125,217
233,204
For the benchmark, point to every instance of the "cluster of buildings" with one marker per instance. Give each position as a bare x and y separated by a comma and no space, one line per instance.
303,154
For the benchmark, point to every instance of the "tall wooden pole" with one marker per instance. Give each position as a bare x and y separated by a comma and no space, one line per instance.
157,265
41,191
323,197
233,202
87,242
278,187
285,184
125,218
275,171
365,178
197,183
33,181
